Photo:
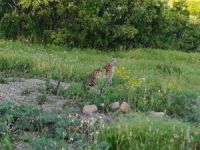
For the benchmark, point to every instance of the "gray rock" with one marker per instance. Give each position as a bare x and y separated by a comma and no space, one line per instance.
157,114
115,105
90,109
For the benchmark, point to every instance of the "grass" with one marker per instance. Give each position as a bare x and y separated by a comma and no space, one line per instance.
147,133
55,131
75,64
148,79
164,72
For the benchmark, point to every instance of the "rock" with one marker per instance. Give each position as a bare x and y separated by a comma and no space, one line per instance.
157,114
115,105
124,107
90,109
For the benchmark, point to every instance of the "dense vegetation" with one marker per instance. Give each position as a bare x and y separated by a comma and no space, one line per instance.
102,24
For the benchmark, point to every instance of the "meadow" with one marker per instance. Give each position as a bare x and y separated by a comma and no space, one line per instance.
148,79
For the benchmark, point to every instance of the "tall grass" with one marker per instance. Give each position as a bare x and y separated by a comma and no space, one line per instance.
149,133
75,64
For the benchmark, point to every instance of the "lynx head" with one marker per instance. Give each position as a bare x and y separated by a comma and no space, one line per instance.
114,62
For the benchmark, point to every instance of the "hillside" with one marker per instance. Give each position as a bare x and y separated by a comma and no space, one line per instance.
34,116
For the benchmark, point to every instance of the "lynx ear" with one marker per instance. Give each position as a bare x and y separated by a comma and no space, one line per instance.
114,59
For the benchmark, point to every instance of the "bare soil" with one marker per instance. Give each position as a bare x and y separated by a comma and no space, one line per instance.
26,91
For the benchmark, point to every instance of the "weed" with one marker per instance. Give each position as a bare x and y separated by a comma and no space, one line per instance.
48,143
42,98
3,80
26,92
169,69
6,143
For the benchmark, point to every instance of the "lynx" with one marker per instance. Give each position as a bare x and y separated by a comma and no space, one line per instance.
104,73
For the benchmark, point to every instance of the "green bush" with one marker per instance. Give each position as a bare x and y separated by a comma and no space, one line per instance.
183,104
122,24
190,36
13,26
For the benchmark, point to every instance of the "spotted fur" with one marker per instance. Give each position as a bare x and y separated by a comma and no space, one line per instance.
104,73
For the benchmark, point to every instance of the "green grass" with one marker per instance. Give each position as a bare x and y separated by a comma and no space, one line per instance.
149,133
170,70
53,130
75,64
150,79
165,72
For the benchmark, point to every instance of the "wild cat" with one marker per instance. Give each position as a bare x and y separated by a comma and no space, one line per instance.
104,73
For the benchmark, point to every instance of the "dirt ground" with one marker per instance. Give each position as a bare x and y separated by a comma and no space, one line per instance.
26,91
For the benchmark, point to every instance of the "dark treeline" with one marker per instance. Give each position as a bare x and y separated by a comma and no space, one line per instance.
102,24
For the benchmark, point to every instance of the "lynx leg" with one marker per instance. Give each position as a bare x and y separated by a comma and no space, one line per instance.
110,79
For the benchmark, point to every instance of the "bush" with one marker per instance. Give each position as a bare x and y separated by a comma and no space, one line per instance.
122,24
190,38
13,26
183,104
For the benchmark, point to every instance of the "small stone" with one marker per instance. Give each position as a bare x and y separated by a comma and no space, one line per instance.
157,114
45,129
124,107
90,109
115,105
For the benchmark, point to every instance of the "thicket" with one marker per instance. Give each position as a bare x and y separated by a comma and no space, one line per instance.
102,24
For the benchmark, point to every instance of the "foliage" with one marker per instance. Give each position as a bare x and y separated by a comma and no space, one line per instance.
102,24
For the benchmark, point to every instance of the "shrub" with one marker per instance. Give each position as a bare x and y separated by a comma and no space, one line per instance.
183,104
189,38
122,24
13,26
